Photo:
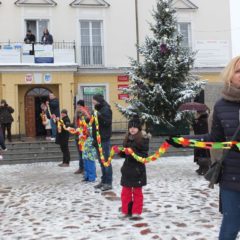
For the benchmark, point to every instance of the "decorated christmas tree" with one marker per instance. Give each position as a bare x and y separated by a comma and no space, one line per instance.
162,80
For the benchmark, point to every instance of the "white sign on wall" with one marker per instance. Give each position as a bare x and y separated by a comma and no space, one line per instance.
38,78
212,53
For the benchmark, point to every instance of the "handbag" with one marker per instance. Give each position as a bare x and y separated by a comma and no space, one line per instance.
213,174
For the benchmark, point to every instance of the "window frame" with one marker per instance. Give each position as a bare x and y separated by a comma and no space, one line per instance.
90,23
189,31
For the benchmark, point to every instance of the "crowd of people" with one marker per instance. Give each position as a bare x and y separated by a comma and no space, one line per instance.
86,142
224,123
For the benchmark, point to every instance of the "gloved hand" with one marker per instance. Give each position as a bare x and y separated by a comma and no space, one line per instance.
174,144
235,148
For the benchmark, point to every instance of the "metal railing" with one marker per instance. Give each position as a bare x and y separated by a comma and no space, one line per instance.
18,52
91,56
56,45
120,127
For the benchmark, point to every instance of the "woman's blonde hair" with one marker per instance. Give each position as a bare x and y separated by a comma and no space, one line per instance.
228,71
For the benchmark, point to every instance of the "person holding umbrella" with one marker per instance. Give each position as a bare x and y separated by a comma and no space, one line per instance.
201,156
200,126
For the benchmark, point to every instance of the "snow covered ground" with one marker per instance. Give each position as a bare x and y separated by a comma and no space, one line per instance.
44,201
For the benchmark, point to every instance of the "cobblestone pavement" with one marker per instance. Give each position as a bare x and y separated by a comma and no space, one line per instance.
44,201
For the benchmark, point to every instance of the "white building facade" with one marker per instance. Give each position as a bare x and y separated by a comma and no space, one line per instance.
93,41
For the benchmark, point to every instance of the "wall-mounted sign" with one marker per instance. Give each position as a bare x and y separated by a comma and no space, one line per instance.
122,86
38,78
29,78
123,78
44,54
47,77
93,90
212,53
123,96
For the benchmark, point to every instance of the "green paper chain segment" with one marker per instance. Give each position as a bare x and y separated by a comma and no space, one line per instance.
206,145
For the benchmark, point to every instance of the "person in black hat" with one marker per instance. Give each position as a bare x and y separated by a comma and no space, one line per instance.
63,137
104,114
134,172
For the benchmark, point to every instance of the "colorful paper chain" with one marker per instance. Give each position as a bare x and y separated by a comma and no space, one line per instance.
206,145
115,150
81,130
128,151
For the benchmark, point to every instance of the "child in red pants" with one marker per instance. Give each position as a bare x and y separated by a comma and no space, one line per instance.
134,172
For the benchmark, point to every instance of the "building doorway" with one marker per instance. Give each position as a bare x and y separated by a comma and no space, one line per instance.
33,99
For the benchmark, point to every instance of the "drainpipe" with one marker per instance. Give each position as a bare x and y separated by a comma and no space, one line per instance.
137,28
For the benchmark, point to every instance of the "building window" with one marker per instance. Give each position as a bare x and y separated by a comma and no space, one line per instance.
87,92
185,29
37,27
91,43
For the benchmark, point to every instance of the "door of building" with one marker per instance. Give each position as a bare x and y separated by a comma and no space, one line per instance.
30,116
33,99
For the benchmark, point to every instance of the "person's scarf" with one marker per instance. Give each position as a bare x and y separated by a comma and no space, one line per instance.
231,93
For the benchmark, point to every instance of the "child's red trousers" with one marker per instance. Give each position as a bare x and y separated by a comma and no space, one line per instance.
135,195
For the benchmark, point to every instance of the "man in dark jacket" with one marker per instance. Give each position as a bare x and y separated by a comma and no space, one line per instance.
52,113
63,137
104,114
29,38
6,119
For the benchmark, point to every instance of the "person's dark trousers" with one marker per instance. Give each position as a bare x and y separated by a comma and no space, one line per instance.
2,143
66,153
81,162
106,171
230,203
7,126
54,128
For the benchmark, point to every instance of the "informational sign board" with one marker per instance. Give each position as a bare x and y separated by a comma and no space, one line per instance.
212,53
120,86
43,54
123,78
93,90
123,96
38,78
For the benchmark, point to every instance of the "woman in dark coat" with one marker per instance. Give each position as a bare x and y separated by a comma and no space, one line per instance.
133,172
6,119
62,139
201,156
226,119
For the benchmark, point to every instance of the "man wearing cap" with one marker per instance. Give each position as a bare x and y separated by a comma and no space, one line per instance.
104,114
